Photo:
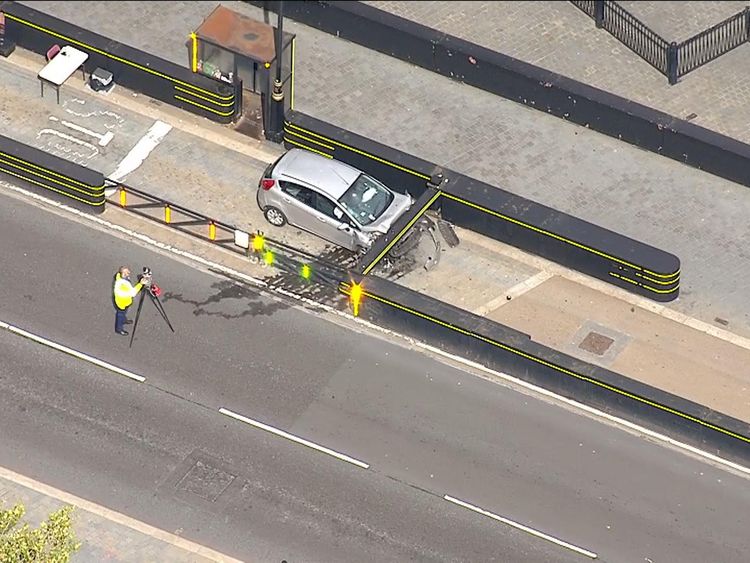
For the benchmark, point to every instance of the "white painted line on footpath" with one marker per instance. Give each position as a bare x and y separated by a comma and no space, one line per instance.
140,151
116,517
516,291
70,351
523,528
608,289
293,438
371,326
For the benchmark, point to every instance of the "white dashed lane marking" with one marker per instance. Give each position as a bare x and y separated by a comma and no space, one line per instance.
70,351
532,531
294,438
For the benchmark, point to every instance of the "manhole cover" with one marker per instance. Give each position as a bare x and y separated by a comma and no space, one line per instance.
206,481
596,343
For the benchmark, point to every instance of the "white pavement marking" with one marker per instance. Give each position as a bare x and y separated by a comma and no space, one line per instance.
69,138
70,351
293,438
371,326
141,150
607,289
104,139
116,517
523,528
519,289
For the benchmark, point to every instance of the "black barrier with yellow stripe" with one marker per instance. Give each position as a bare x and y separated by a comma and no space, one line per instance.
131,68
504,349
50,175
491,211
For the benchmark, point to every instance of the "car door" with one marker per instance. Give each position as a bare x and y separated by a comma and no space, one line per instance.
334,223
299,205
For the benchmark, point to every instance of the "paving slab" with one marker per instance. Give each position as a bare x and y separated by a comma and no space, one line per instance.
639,344
104,535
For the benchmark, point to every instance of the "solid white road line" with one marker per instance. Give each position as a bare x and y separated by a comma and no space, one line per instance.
75,353
372,326
523,528
117,517
293,438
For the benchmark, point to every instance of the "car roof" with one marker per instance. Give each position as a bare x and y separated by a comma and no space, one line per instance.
328,175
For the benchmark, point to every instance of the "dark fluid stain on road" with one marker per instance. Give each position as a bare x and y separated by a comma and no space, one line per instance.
256,304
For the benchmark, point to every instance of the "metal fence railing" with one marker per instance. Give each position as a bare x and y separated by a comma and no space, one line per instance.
635,35
672,59
254,245
713,42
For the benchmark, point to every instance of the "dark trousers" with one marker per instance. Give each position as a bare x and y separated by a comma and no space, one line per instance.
121,315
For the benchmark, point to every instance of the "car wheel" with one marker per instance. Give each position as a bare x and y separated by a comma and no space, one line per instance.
275,216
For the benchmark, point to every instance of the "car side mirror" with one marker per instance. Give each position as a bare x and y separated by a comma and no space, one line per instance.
344,227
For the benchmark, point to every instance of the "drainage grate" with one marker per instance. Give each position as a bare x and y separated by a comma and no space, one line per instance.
596,343
206,481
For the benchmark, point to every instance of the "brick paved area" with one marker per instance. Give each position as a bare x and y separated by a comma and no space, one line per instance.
701,218
561,38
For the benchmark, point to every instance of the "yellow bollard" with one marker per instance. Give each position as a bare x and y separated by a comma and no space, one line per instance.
123,197
212,231
167,214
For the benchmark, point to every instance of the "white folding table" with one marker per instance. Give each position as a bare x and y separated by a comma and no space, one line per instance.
61,67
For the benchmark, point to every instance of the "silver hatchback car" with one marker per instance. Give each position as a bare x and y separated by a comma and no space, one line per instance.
330,199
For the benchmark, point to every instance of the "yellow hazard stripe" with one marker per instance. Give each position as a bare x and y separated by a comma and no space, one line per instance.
401,233
46,170
345,288
222,113
559,237
116,58
88,190
51,188
363,153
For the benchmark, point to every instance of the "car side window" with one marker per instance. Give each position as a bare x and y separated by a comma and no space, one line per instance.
327,207
300,193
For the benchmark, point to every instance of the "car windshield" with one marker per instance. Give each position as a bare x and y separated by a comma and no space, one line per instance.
366,199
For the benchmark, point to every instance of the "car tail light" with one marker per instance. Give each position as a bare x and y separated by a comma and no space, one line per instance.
267,183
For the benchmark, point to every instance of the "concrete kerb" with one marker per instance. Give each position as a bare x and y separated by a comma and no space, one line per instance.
352,322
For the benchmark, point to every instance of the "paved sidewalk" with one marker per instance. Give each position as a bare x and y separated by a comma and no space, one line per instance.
559,164
105,535
559,37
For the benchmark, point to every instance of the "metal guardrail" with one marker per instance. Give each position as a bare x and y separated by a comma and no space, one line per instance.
713,42
672,59
256,246
636,35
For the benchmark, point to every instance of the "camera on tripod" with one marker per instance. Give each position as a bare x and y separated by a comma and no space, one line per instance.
146,277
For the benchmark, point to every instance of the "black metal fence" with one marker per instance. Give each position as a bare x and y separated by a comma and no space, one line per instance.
670,58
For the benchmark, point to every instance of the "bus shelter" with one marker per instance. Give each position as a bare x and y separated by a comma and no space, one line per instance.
234,48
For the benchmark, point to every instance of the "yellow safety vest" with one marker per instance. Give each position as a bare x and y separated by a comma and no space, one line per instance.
124,291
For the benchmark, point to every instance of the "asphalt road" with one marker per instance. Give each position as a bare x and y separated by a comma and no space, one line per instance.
160,451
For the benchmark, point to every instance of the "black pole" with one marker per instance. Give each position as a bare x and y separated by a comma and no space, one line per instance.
276,123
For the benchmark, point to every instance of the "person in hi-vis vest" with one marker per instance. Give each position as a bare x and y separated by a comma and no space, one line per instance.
124,292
